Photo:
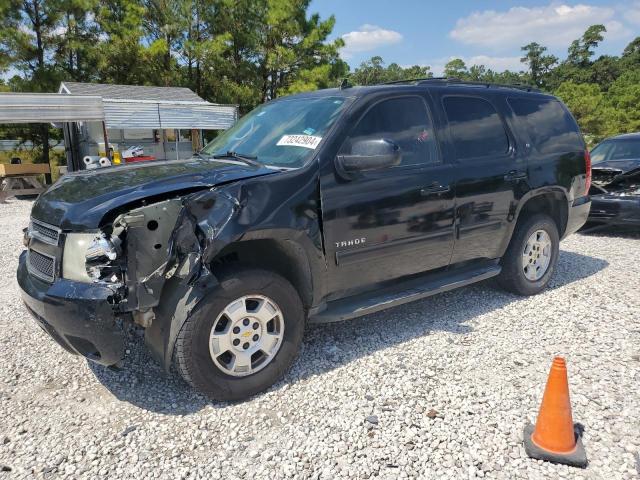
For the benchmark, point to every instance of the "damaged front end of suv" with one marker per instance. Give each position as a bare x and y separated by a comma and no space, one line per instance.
149,265
121,257
615,188
225,237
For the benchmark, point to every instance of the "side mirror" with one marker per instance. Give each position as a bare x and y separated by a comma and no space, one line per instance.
371,155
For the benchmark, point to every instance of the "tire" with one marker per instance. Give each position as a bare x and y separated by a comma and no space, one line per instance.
513,277
193,358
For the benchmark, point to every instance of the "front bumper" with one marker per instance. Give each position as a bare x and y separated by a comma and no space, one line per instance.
617,210
78,316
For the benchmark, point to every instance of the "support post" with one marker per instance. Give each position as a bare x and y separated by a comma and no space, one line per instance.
196,144
106,141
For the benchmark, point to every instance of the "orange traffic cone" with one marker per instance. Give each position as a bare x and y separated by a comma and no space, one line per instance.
553,439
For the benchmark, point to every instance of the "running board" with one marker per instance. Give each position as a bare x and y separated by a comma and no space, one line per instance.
405,292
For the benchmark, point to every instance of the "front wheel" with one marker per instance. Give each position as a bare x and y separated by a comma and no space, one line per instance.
530,260
242,337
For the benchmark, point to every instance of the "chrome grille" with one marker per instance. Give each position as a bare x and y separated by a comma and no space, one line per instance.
44,232
41,265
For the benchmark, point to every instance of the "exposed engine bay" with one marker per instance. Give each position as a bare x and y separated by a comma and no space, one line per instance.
615,181
141,249
615,194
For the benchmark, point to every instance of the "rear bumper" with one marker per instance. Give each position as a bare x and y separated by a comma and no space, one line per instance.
577,215
615,209
76,315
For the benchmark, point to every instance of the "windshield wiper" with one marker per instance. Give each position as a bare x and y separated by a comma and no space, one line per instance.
248,159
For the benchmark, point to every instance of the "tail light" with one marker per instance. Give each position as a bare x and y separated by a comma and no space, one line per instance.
587,164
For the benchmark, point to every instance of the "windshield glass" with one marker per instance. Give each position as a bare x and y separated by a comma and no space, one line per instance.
280,134
615,150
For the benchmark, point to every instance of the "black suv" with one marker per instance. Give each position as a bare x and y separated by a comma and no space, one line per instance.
615,190
322,207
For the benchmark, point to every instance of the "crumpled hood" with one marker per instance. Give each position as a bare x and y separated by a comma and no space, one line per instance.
79,200
623,165
617,177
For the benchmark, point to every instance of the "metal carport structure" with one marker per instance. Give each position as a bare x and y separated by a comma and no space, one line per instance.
116,107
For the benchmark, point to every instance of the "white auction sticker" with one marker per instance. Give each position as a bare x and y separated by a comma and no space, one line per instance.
307,141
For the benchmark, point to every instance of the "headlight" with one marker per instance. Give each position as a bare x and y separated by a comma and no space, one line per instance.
73,258
87,258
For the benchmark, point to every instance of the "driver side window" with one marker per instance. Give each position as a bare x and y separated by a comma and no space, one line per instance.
404,121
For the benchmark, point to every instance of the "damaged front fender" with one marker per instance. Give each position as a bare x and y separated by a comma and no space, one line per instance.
177,304
212,220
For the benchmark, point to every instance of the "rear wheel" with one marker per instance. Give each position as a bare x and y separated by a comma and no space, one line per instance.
243,337
530,260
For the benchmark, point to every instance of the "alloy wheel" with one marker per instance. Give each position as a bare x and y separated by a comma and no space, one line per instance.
536,256
247,335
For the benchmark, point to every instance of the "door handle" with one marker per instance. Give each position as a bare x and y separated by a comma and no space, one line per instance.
514,175
435,187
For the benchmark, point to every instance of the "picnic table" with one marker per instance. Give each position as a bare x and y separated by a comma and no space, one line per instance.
21,179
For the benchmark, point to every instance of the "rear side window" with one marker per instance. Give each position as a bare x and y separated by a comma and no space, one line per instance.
406,122
476,127
550,127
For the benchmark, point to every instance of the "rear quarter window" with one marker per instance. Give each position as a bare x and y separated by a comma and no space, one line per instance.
548,124
476,128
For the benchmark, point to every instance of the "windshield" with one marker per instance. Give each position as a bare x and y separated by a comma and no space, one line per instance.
280,134
613,150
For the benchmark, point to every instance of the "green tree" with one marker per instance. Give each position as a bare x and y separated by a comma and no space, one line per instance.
373,71
9,25
256,50
624,97
193,43
370,72
589,106
76,39
416,71
456,68
227,52
289,43
122,58
582,49
478,73
539,64
165,24
605,70
578,67
631,55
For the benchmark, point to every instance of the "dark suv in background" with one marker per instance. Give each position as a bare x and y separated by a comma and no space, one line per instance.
322,206
615,192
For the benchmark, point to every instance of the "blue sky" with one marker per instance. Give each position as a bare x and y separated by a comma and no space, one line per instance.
482,32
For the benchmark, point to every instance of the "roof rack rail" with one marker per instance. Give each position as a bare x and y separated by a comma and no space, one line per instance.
412,80
458,81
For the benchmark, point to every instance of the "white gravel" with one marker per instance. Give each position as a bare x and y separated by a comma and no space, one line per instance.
436,389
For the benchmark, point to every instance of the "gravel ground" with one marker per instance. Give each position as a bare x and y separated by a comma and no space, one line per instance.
438,388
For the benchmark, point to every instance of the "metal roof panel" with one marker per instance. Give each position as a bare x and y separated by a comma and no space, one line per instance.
49,108
130,92
208,116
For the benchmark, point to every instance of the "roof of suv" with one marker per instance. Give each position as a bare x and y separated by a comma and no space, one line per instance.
358,91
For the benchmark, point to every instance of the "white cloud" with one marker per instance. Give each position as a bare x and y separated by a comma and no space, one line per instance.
555,25
367,38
